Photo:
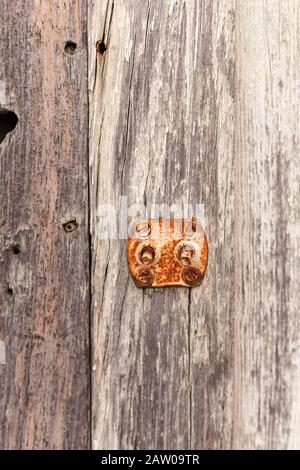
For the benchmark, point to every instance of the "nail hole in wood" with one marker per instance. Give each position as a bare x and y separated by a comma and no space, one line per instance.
70,226
9,291
70,47
8,122
101,47
15,249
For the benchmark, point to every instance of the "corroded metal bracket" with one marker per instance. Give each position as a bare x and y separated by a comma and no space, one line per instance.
164,253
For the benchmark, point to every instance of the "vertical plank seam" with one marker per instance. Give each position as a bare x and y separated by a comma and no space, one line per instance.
189,367
89,230
236,317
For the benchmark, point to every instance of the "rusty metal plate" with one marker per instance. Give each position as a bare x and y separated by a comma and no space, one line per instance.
165,253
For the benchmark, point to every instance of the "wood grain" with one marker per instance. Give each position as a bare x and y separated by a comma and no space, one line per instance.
44,317
161,130
191,101
198,101
267,375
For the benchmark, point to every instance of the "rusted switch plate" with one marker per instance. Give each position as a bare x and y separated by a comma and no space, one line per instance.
164,253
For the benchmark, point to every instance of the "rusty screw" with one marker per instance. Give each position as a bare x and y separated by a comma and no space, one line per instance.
143,230
186,254
147,255
70,226
144,276
191,275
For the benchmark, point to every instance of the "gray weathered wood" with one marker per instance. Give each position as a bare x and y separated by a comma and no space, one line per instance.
191,101
267,230
44,317
161,122
198,101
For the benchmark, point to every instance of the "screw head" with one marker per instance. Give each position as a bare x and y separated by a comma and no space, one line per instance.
70,226
186,254
143,230
147,255
191,275
144,276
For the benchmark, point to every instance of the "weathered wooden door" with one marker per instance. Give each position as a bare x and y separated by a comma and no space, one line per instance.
166,102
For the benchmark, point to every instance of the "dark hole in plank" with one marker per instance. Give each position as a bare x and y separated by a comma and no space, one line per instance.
15,249
10,292
8,122
101,47
70,47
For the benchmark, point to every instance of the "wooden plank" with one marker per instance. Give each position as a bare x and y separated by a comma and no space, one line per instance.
198,102
212,182
162,131
44,318
267,405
